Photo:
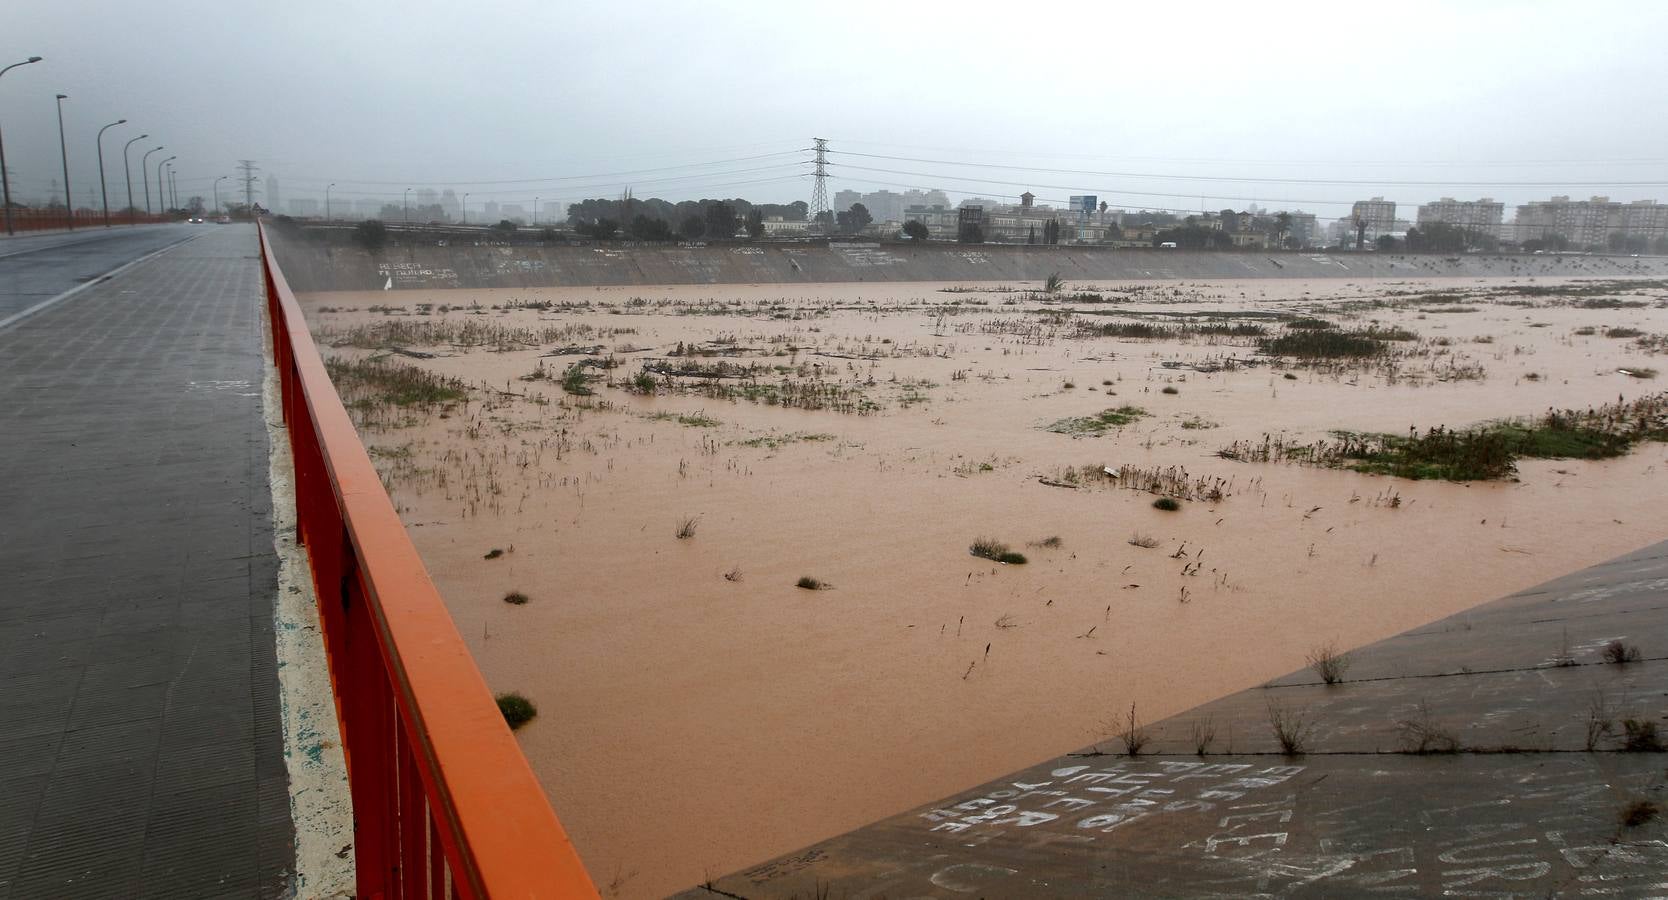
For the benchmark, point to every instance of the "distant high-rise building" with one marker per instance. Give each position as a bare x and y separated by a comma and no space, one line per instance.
1590,223
303,207
489,212
1485,215
1378,214
1303,228
843,200
272,195
449,204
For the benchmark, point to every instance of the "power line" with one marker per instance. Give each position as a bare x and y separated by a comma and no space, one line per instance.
554,178
1631,161
1258,180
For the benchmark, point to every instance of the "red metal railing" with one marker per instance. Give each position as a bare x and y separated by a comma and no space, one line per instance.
444,803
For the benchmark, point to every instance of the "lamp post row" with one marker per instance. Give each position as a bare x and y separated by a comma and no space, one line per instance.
167,190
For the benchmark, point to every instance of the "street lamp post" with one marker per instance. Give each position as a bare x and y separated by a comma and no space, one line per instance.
127,171
161,191
5,182
145,176
536,211
327,200
405,204
466,207
174,185
63,154
217,193
103,190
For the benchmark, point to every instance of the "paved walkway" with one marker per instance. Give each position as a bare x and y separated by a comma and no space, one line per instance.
37,268
140,744
1495,753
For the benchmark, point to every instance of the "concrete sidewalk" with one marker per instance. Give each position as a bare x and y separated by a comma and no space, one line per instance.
141,752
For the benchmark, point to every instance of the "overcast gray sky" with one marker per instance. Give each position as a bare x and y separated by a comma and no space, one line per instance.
1142,103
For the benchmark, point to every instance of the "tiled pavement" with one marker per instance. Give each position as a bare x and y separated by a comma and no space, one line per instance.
140,743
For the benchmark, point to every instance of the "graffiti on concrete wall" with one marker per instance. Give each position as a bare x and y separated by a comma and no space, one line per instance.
409,274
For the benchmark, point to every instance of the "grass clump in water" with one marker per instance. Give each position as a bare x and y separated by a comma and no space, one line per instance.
810,584
516,709
996,551
1481,452
1099,423
515,598
380,381
1168,504
1324,344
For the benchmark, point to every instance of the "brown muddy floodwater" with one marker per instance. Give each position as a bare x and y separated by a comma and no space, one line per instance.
699,713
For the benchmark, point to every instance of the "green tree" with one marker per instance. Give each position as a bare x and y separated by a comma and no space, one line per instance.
755,224
1385,242
370,234
692,228
648,228
971,233
601,229
855,219
1282,225
505,227
1031,236
722,221
916,229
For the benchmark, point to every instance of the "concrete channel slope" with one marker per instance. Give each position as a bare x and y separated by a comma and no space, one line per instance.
140,745
1495,753
319,261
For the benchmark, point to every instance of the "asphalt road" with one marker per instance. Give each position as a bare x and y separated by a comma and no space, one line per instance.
36,269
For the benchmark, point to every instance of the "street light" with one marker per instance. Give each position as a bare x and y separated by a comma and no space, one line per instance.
536,212
327,200
217,193
162,192
128,172
173,197
145,177
103,190
6,183
466,207
63,154
405,203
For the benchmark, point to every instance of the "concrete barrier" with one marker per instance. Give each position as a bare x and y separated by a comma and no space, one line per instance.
429,264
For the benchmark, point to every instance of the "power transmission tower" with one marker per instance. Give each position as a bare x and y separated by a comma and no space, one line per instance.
248,169
819,187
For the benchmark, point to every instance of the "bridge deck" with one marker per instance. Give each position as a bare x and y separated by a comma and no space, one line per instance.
141,753
1531,801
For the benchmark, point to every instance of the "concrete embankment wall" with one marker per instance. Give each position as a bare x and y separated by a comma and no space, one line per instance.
313,266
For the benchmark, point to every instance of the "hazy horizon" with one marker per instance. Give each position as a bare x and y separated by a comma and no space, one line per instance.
1306,108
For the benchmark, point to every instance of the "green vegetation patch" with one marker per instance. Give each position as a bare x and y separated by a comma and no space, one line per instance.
697,420
1482,452
1099,423
516,709
773,441
376,380
996,551
1324,344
